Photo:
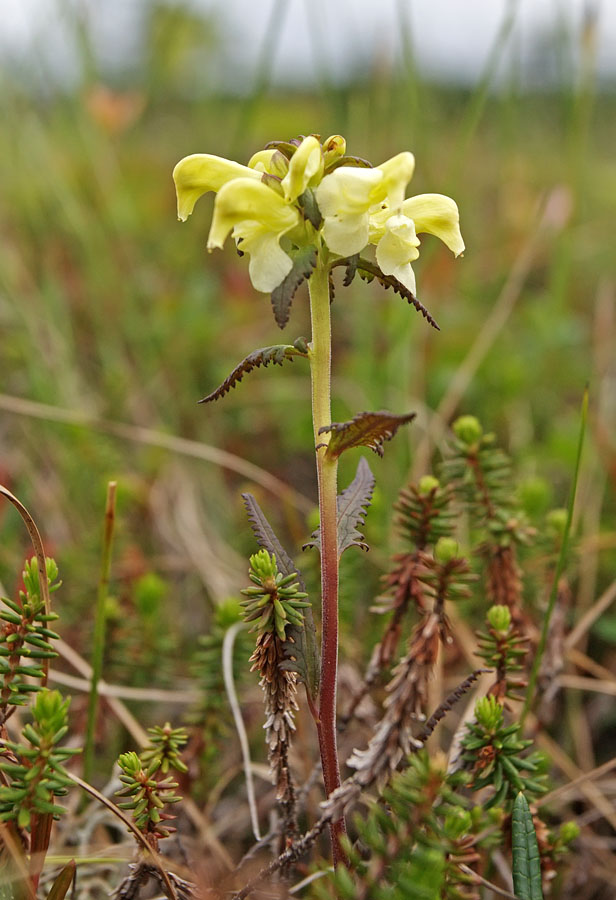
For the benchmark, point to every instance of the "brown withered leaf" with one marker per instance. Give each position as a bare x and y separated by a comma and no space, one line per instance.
366,429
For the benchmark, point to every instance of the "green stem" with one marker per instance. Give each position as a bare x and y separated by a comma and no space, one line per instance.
560,567
320,355
98,646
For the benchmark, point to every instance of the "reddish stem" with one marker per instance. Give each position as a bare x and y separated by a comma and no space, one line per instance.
319,354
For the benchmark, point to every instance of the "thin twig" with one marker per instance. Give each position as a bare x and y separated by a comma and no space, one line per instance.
187,696
598,772
486,883
591,615
37,544
553,217
118,708
579,683
560,567
139,837
227,671
183,446
294,852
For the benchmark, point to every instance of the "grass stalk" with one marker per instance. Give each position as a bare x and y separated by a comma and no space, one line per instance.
98,646
562,559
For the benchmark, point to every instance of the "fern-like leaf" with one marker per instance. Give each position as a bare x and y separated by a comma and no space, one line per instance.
526,860
352,508
366,429
369,270
262,357
304,261
301,650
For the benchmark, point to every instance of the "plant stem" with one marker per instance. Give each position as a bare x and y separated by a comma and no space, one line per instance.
560,566
320,354
98,647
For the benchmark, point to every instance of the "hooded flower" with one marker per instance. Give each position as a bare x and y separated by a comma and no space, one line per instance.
349,194
258,212
395,234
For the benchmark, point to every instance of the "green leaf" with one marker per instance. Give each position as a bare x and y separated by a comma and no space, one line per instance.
59,888
526,860
262,357
301,643
352,506
366,429
304,261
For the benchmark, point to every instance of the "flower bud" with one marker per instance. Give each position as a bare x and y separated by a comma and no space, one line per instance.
445,550
427,484
499,618
467,429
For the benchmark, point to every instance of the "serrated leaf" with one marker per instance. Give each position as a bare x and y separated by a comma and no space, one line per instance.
304,261
352,505
351,269
262,357
526,862
370,270
366,429
59,888
301,648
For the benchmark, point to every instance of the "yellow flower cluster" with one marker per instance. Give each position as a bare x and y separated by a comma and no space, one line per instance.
265,205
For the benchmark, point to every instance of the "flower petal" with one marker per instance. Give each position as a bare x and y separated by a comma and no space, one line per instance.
346,235
436,214
347,191
261,160
303,166
397,172
244,199
397,249
269,264
344,199
197,174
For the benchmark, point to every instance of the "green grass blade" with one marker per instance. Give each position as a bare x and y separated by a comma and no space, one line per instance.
526,862
562,558
98,647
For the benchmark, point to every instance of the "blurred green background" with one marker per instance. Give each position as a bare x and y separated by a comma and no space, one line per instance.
115,321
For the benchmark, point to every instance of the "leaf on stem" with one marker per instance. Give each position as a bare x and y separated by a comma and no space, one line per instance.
526,860
262,357
369,271
366,429
352,506
301,647
61,885
351,269
304,261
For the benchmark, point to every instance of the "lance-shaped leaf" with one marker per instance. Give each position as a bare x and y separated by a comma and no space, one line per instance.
263,357
61,885
526,860
366,429
301,648
304,260
352,506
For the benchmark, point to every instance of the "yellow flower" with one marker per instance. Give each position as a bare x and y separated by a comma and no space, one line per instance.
395,235
258,214
348,195
268,206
